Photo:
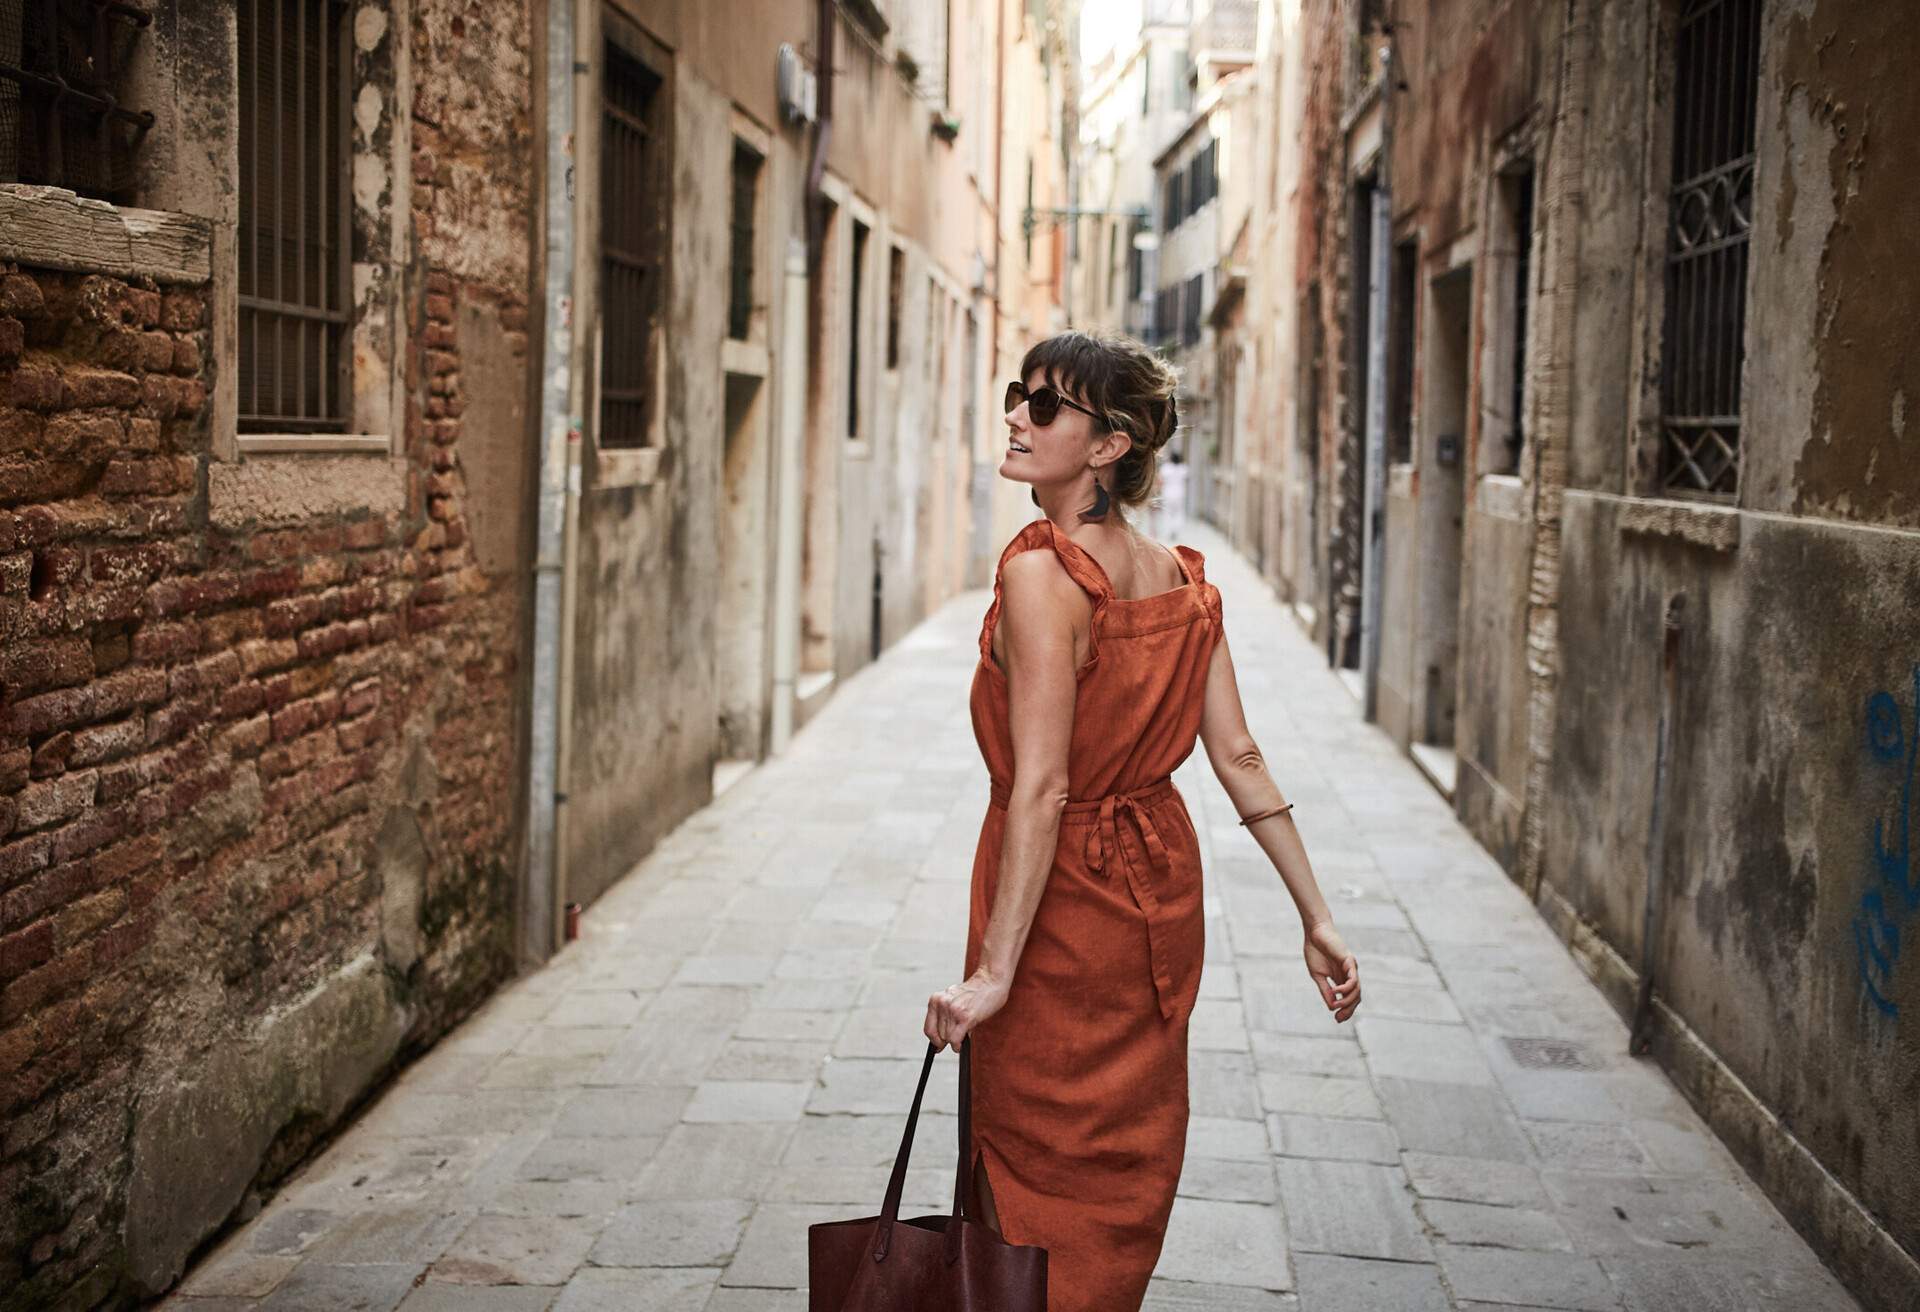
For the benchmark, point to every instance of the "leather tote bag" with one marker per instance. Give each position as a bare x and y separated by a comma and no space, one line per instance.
927,1263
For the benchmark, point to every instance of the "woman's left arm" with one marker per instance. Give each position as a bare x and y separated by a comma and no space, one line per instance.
1037,599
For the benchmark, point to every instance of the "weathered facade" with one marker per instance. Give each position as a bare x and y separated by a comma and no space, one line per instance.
259,701
1593,467
272,473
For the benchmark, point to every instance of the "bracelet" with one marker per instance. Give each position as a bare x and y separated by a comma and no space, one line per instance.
1278,810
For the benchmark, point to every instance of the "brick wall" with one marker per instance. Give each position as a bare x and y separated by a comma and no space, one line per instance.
247,747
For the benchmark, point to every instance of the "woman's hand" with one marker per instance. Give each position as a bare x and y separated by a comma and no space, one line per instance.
955,1010
1335,973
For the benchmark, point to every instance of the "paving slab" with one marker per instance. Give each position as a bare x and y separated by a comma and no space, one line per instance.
726,1053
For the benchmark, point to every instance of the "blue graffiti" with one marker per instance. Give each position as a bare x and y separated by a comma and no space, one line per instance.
1876,925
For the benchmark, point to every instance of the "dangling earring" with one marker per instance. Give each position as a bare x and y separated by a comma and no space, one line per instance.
1034,493
1101,503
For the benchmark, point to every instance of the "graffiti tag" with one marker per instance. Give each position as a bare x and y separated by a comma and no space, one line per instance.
1876,925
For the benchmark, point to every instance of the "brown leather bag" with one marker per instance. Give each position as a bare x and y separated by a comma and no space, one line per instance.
928,1263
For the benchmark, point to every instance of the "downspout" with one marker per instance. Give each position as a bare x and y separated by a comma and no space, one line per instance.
1373,500
559,447
1651,918
1553,416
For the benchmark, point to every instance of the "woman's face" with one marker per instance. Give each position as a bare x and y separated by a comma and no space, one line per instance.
1054,453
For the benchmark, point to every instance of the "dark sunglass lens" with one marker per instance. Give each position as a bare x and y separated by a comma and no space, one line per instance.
1043,404
1016,393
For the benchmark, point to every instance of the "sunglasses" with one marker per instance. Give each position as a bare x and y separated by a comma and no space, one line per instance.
1043,403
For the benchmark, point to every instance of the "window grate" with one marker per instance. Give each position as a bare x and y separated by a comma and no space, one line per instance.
1190,312
746,186
293,247
61,122
1711,216
632,239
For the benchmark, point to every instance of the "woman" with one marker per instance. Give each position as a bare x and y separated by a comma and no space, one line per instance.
1101,657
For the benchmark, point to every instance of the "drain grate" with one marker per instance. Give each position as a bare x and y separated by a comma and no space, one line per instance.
1550,1054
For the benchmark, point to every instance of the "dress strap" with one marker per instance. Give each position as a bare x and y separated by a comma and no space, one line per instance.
1197,568
1080,566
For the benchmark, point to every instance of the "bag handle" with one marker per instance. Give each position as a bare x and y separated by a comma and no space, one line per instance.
962,1178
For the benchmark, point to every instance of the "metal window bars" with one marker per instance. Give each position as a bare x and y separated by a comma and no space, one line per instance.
746,184
294,238
632,239
61,120
1710,222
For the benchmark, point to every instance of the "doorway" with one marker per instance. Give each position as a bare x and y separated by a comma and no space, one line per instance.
1447,375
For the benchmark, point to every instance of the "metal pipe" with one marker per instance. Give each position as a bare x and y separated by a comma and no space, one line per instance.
1650,915
539,925
789,509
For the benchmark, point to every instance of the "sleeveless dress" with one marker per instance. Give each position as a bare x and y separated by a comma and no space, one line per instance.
1080,1080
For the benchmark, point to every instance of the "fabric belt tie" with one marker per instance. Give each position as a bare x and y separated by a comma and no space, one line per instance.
1104,847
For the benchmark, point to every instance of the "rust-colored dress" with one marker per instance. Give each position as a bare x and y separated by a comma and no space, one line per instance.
1080,1081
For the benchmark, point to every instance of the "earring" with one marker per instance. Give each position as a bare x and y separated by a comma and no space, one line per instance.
1035,495
1101,503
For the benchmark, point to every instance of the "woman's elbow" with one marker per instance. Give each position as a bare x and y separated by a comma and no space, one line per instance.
1243,756
1044,793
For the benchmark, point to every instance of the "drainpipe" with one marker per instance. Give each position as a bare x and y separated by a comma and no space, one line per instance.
1373,503
790,460
559,477
1651,918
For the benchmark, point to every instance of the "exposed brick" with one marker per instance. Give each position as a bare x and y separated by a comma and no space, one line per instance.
87,388
36,386
50,757
140,563
49,663
106,742
21,295
183,311
51,980
24,949
156,350
14,764
13,340
70,707
246,738
54,800
161,643
365,533
125,860
186,355
208,674
96,828
23,856
88,916
153,476
177,717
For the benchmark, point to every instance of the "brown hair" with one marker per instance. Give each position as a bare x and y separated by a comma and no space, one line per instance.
1123,380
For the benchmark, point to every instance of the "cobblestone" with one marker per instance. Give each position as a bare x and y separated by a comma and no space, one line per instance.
726,1056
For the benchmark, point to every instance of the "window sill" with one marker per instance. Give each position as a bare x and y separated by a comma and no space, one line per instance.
1500,496
257,444
859,449
52,228
626,467
1709,524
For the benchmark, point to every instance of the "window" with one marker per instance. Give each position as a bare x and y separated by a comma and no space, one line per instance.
1190,311
633,224
860,234
1146,81
1166,313
896,289
1710,208
1401,292
293,247
1176,199
1113,256
1136,261
1516,213
746,191
61,122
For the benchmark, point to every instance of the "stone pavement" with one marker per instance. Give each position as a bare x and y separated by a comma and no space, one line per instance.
727,1053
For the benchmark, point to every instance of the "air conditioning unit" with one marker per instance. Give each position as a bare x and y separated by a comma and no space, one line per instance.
799,88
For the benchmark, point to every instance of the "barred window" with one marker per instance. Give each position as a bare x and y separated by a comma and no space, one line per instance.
633,222
746,191
61,70
1711,210
896,293
294,260
858,290
1190,312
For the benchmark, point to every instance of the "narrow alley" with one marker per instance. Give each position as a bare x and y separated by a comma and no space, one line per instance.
653,1119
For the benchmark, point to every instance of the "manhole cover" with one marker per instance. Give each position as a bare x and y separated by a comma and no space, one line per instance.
1550,1054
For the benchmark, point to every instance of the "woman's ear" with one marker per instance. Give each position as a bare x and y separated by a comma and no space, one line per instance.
1115,444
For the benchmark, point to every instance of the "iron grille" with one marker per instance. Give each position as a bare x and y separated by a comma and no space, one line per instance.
746,185
294,246
632,243
61,122
1711,214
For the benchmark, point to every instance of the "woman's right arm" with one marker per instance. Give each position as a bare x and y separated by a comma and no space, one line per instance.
1242,771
